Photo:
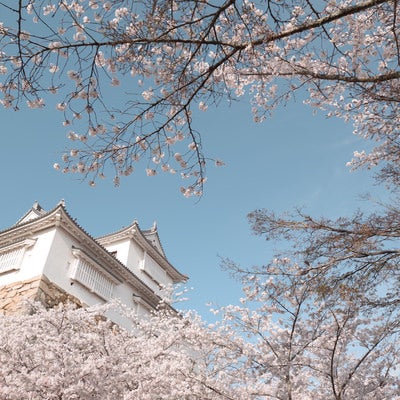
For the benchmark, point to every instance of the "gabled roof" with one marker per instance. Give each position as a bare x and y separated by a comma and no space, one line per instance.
36,219
150,242
35,212
152,236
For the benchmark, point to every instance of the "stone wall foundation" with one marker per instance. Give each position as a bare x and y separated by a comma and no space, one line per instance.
15,297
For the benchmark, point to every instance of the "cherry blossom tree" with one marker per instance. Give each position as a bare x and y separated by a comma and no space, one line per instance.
327,307
305,345
282,342
356,256
320,321
67,353
165,59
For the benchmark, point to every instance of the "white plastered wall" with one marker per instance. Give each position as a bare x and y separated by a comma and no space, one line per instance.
58,269
33,260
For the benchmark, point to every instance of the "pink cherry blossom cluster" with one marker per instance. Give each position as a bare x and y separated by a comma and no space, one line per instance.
161,59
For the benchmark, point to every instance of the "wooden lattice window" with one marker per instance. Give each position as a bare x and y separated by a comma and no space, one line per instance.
11,256
91,275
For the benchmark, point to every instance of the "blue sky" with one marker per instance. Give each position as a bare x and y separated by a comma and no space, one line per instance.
292,159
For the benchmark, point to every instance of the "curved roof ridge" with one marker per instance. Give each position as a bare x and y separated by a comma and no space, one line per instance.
122,230
135,225
36,209
40,215
142,236
177,272
154,232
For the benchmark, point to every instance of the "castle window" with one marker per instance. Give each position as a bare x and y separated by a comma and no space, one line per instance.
89,274
153,270
11,256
